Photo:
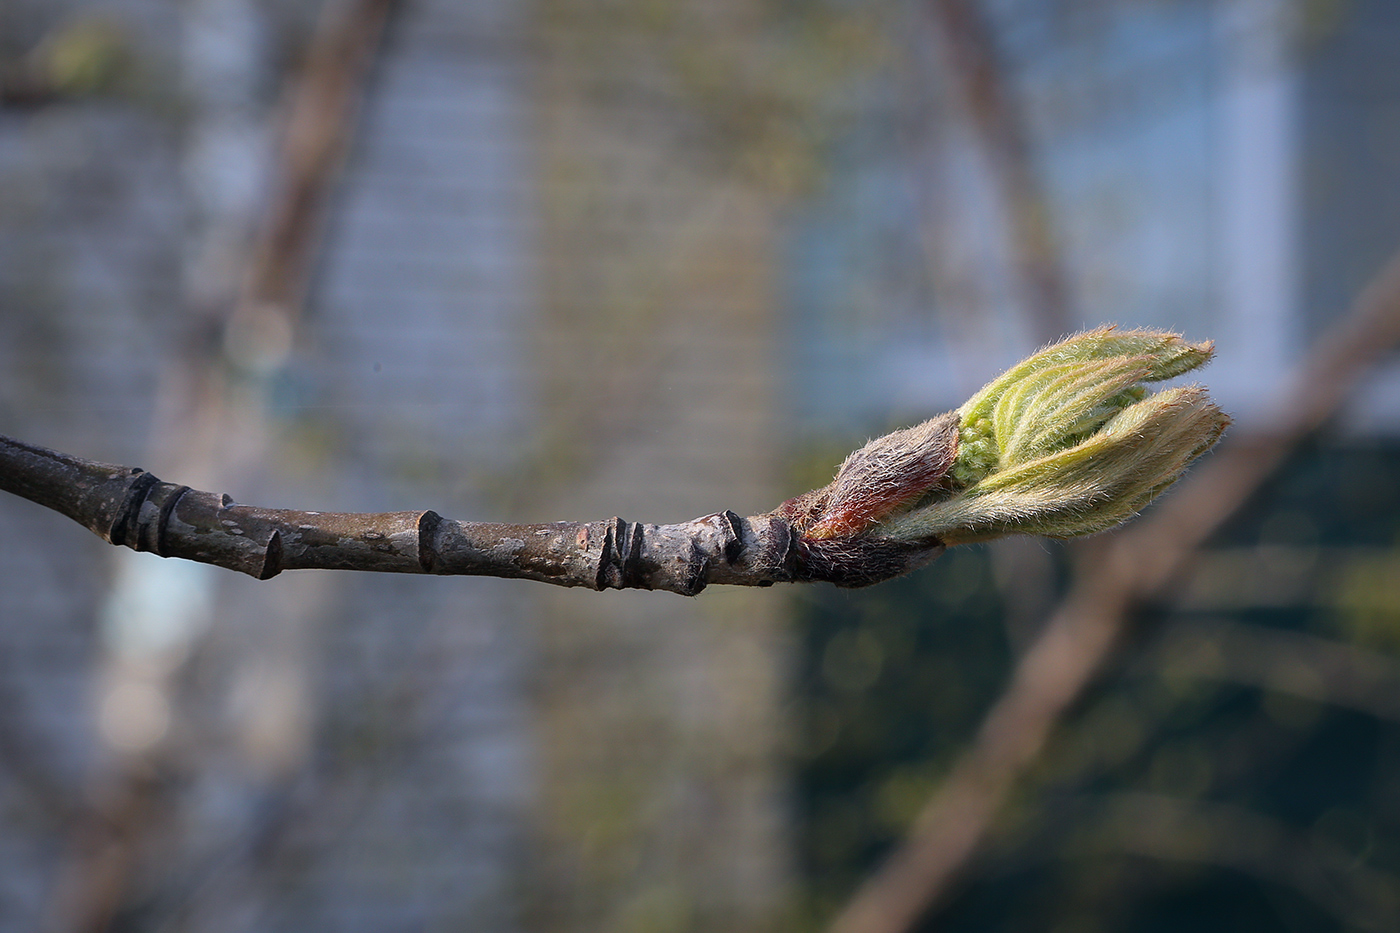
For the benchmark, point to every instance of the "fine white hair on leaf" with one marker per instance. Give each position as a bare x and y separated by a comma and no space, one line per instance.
1067,442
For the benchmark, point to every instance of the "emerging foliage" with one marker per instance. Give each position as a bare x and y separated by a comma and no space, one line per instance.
1067,442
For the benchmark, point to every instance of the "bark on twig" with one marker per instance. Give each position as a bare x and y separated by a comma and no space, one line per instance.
1080,636
128,506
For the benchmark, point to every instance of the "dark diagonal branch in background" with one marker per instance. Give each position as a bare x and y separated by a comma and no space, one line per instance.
212,429
997,120
319,119
1080,635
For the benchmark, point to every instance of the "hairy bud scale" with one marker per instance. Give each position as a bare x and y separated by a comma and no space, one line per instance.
1067,442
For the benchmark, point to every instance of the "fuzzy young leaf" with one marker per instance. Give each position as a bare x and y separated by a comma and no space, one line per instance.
1067,442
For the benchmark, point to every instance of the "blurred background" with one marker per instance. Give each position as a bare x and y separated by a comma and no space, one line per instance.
569,259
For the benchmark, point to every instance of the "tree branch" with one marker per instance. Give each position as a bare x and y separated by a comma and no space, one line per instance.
131,507
998,121
1067,442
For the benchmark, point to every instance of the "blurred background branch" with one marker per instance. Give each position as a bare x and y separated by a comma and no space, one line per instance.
1079,638
1232,837
250,262
981,82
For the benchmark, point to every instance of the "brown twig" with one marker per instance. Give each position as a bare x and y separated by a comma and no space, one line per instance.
130,507
1080,635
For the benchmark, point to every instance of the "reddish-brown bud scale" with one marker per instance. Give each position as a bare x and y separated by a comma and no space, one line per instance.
885,476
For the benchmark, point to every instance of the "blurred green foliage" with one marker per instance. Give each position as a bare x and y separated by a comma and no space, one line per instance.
893,681
1238,768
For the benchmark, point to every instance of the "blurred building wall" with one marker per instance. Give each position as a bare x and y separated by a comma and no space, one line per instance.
530,302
